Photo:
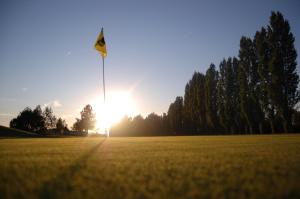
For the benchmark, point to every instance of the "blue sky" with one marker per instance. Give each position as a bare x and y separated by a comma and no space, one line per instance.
47,54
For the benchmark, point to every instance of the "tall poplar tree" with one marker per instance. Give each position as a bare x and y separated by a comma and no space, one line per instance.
211,80
263,53
230,97
282,67
249,85
194,103
175,115
221,94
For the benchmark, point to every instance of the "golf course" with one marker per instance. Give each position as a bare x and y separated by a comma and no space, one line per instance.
239,166
150,99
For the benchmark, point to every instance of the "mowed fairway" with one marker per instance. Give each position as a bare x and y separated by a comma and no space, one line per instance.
151,167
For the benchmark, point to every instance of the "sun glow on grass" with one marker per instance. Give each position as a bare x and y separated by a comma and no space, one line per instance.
117,105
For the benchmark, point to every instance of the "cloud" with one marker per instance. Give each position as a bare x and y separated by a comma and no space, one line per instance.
24,89
54,104
68,53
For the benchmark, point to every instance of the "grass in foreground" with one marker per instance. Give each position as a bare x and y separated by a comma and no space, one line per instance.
152,167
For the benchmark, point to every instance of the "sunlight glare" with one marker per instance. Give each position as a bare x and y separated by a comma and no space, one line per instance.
117,105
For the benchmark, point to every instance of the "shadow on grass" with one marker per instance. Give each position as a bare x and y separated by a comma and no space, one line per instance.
63,182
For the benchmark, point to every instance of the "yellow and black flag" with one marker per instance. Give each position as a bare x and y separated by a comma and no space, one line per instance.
100,44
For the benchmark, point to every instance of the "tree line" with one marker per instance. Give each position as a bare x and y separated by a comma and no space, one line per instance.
38,120
255,92
44,122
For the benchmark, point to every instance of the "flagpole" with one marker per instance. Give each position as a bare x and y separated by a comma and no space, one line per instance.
101,47
103,78
105,130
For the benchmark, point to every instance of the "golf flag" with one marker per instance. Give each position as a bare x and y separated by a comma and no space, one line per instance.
100,44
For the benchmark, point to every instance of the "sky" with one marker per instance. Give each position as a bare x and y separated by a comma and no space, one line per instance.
47,53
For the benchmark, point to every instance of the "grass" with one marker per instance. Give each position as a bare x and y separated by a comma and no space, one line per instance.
151,167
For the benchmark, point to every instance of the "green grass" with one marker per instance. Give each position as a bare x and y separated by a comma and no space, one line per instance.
151,167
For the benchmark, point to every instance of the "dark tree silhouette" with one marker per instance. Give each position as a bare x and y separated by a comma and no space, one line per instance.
153,124
194,104
87,118
23,120
248,80
78,125
211,107
230,97
282,67
61,125
138,125
263,55
175,116
221,94
30,120
50,119
38,121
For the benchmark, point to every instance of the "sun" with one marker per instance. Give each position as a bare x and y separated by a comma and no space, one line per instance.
117,105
